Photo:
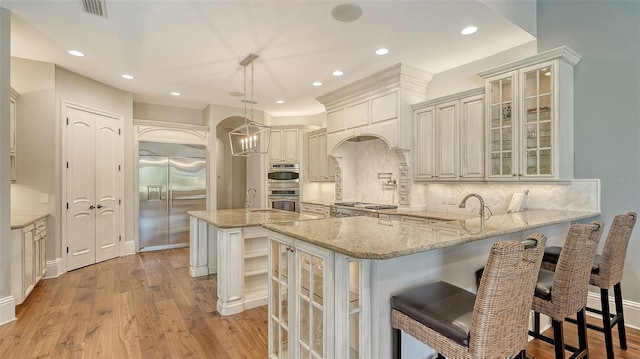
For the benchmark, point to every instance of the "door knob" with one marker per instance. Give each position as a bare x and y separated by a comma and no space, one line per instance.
92,207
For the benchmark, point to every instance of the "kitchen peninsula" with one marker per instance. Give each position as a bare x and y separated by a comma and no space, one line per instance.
231,243
331,280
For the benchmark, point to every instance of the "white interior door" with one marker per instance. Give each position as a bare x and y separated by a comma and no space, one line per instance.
107,187
93,154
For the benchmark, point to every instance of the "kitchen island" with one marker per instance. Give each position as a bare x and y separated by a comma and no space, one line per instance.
232,243
331,280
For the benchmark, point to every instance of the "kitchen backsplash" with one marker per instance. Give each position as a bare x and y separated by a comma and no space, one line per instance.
579,195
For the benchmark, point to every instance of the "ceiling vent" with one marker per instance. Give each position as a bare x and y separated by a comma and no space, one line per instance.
95,7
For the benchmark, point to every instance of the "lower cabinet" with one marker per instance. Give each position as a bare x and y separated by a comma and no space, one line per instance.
315,209
28,259
315,307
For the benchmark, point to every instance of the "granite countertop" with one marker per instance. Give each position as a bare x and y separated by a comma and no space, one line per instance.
23,220
234,218
423,213
373,238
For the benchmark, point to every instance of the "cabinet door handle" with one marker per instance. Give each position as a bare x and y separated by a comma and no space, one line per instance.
92,207
100,206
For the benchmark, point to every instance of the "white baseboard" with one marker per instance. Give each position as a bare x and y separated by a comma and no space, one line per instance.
7,310
54,269
631,309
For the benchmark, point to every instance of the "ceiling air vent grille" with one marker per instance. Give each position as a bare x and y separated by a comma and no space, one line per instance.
95,7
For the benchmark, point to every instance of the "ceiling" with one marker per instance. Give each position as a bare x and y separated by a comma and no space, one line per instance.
195,47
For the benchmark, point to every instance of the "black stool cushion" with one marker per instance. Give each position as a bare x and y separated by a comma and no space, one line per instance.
440,306
551,255
544,284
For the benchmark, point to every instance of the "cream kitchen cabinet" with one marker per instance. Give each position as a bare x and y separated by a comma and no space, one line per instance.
28,259
315,209
530,118
284,145
449,144
377,105
321,166
301,311
12,132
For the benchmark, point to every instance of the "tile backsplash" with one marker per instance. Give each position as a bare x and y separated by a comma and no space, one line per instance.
577,195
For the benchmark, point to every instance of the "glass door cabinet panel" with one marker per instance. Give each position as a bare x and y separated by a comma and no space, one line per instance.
355,310
311,304
279,300
538,124
501,110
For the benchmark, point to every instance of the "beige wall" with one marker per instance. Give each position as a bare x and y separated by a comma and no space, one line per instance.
147,111
77,89
7,304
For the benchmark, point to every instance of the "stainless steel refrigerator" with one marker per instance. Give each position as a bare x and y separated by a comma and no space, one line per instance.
172,181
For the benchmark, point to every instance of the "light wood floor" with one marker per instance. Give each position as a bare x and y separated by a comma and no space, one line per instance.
147,306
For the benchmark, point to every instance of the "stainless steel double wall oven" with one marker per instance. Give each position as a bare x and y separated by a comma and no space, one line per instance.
284,186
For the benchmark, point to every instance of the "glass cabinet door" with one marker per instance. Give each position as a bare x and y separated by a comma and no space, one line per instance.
279,305
501,126
355,310
311,305
538,129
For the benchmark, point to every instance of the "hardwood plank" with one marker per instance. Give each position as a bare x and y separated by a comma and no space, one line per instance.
147,306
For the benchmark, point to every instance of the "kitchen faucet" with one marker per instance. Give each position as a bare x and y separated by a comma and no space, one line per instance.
247,205
464,201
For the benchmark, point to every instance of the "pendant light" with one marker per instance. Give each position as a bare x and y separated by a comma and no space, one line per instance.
251,138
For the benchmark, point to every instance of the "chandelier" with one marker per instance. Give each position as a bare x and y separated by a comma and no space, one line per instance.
251,138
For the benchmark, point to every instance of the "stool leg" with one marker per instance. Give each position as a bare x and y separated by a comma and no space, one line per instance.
582,331
622,333
558,338
536,323
396,343
606,321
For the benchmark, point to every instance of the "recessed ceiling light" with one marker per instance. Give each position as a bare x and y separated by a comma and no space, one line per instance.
280,101
337,73
346,12
469,30
174,93
127,76
382,51
236,94
76,53
317,83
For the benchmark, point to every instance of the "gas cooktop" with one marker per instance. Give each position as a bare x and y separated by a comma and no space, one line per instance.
365,205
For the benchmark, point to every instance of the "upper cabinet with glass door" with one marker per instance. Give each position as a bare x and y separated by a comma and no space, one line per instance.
530,118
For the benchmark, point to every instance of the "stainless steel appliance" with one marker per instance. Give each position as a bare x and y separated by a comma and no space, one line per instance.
284,186
283,175
172,181
355,209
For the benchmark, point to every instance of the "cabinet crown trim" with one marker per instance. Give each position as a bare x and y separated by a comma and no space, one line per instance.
399,75
452,97
170,125
564,53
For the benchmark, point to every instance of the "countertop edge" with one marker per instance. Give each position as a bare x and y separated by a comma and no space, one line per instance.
409,251
23,220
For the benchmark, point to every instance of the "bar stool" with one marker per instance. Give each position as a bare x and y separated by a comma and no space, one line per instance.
606,272
460,324
562,293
